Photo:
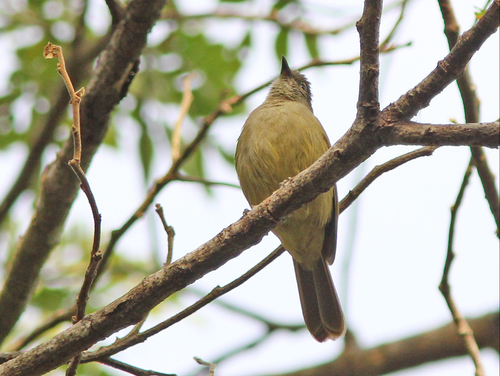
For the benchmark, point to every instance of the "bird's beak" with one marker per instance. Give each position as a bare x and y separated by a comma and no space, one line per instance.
285,69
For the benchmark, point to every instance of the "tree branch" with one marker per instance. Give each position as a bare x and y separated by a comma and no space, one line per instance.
377,171
129,341
486,134
437,344
131,369
462,327
368,27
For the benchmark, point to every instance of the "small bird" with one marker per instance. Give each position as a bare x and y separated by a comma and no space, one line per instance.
281,138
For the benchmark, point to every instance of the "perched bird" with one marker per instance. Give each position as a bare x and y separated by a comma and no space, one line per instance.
281,138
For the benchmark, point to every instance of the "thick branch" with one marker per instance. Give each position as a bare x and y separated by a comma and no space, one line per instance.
484,134
438,344
368,27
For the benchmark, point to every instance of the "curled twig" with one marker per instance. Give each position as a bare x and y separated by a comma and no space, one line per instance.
52,51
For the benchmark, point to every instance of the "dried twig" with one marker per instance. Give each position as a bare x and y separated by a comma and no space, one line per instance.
187,99
52,51
208,183
59,317
379,170
463,327
170,234
211,366
478,159
131,369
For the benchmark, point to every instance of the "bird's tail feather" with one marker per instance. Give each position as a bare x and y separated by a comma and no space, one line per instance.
320,303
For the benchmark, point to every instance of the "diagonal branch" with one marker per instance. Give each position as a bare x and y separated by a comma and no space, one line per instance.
129,341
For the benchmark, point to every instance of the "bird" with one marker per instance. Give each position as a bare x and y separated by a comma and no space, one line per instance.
281,138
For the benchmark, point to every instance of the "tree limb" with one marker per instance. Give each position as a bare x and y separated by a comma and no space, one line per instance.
486,134
437,344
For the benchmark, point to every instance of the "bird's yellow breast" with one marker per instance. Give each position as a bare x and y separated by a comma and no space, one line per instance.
277,142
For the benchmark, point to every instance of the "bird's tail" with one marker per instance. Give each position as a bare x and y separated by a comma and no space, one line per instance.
320,303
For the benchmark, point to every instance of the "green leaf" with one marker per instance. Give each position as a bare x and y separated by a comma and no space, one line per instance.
50,299
111,136
247,41
312,45
194,167
228,157
145,149
280,4
281,44
215,64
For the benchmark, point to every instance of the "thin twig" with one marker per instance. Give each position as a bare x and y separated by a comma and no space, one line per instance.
52,51
59,317
209,183
170,234
124,343
131,369
389,36
463,327
187,99
211,366
471,108
273,16
381,169
271,325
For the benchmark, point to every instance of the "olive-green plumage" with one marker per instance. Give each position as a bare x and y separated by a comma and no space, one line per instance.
281,138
